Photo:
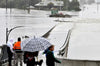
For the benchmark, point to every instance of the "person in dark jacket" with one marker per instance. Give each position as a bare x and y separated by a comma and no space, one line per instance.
10,51
50,58
29,59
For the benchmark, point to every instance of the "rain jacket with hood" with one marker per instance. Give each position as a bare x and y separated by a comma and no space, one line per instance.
50,59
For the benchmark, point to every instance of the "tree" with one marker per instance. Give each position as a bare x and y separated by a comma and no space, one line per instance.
74,5
22,4
50,5
66,4
2,3
33,2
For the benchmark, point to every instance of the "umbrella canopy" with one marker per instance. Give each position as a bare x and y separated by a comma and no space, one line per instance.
35,44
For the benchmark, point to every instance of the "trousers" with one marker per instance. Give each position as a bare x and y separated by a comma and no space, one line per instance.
18,57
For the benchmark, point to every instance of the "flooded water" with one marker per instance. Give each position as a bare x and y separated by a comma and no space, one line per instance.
85,42
38,23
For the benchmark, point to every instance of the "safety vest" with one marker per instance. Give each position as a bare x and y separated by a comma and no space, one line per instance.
17,45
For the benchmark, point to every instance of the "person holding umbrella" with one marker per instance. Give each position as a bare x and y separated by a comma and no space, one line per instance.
29,59
50,58
33,45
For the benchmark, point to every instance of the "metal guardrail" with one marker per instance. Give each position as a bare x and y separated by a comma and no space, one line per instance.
48,33
64,49
66,44
3,55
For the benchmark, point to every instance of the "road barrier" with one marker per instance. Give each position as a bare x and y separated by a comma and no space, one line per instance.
3,55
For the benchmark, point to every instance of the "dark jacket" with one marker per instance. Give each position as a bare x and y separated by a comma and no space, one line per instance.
10,54
50,59
29,59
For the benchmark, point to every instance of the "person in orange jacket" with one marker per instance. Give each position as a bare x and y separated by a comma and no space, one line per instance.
18,53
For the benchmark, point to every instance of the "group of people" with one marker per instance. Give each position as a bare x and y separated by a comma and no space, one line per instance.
14,50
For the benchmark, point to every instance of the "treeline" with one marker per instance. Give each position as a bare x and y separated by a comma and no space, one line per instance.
71,5
74,5
22,4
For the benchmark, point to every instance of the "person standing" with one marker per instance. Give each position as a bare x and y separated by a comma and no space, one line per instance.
18,52
29,59
10,51
50,58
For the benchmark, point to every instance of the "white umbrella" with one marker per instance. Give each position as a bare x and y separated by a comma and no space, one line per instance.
35,44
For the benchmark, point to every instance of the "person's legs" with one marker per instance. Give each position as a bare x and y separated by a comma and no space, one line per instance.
20,56
10,59
16,59
30,64
9,56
